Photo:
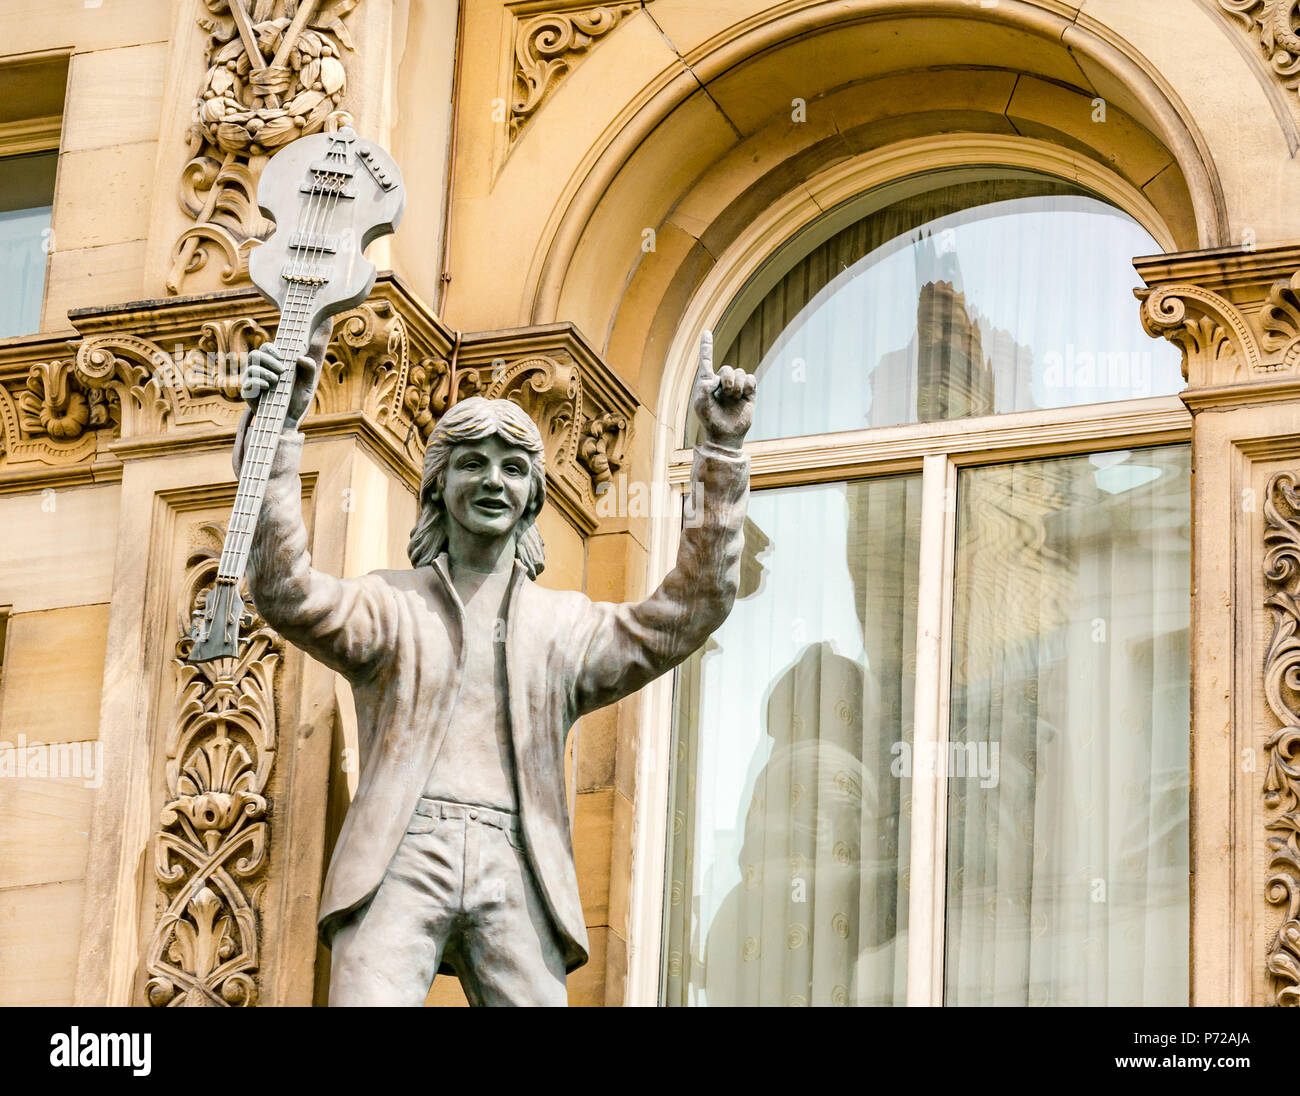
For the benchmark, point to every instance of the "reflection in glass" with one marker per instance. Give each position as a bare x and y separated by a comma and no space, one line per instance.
787,869
1068,779
971,298
26,196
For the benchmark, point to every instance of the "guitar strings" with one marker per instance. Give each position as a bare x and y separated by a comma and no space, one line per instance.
248,501
317,217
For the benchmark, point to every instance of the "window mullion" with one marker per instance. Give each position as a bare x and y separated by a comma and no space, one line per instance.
927,876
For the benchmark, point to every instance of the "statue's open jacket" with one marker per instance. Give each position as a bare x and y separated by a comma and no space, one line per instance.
396,637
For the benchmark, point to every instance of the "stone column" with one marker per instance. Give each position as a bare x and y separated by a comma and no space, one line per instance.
1236,316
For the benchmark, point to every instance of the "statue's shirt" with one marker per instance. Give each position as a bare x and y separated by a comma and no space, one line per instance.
475,764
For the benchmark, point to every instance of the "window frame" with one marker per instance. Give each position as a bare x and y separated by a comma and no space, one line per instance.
35,134
936,450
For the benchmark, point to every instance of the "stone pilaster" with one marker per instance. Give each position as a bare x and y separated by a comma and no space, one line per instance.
1236,317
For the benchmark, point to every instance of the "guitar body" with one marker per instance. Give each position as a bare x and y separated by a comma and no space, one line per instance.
330,195
352,223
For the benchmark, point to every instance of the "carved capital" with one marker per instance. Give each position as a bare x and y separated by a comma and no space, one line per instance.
1235,314
274,72
547,45
50,417
584,412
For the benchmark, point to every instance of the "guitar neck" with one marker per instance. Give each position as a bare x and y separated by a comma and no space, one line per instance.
262,437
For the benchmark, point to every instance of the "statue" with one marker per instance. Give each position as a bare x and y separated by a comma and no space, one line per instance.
456,853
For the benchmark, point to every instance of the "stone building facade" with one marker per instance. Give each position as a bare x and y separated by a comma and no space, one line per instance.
589,188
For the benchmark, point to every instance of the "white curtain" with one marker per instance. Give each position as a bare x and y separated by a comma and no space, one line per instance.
1067,871
971,298
23,237
26,197
790,832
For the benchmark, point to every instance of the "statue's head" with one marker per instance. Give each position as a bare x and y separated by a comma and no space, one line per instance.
484,469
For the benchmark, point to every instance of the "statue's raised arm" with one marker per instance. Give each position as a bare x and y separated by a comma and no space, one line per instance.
348,624
626,646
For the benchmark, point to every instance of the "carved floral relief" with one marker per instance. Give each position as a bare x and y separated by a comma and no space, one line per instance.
548,45
213,835
1282,749
274,72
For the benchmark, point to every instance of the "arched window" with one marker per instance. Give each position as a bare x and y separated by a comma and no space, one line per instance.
939,751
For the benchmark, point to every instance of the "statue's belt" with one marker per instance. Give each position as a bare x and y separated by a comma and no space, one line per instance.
489,816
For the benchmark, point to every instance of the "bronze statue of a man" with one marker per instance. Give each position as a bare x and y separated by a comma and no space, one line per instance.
456,851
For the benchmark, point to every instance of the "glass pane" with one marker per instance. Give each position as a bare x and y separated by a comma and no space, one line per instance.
972,298
1068,776
26,196
787,866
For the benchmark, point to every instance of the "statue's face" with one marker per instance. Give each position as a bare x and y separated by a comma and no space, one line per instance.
487,486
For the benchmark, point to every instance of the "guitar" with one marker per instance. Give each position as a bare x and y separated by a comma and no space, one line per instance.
339,193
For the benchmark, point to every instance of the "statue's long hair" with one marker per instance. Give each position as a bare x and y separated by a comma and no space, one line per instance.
474,419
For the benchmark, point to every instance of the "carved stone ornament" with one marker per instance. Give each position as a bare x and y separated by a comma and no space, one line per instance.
1234,314
583,412
165,375
1282,768
274,73
211,846
1272,23
548,44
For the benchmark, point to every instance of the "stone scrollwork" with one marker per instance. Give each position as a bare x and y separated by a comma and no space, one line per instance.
52,413
274,73
1235,315
1213,336
585,424
1282,766
164,374
367,353
547,46
1273,25
551,392
601,449
1280,320
212,841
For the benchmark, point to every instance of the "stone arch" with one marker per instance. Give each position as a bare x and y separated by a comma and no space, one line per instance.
709,149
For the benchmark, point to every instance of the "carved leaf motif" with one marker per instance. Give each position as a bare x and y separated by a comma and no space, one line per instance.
1282,688
1281,321
53,402
213,830
247,108
1272,23
548,46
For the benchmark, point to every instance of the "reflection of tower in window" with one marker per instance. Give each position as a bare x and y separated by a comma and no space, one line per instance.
953,379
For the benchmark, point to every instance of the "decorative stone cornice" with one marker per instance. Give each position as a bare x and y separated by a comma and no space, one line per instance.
157,376
548,44
274,73
1235,315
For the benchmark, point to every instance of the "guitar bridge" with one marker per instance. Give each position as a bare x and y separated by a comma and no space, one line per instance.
310,241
